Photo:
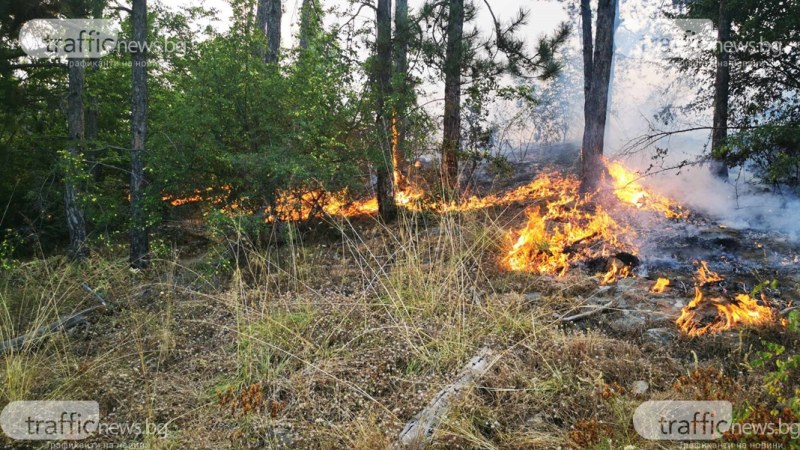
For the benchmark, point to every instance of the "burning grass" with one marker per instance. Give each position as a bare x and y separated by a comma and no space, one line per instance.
337,344
714,314
563,231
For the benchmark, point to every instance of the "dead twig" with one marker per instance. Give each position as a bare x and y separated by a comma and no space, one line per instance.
583,315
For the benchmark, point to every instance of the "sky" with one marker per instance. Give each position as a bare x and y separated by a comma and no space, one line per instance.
544,15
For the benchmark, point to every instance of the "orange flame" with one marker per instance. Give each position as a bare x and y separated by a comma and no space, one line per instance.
713,315
617,271
562,232
660,286
629,190
705,275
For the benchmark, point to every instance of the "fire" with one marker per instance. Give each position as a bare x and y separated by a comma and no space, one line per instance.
207,194
618,270
713,315
661,286
563,231
705,275
630,191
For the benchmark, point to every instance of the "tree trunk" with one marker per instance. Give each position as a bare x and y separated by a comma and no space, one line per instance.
588,46
268,19
383,78
402,93
92,127
596,104
721,92
140,245
76,221
309,20
453,62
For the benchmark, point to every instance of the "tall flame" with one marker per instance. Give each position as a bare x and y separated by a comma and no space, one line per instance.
564,231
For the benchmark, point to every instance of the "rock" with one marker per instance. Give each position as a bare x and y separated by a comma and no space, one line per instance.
660,336
282,437
626,284
533,297
640,387
629,322
537,423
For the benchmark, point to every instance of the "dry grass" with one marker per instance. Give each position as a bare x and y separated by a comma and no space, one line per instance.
336,344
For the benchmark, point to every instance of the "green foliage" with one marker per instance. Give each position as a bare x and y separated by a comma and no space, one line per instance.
781,381
772,152
765,81
247,129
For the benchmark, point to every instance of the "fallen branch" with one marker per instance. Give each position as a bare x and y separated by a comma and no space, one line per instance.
583,315
94,294
64,324
72,321
786,311
419,430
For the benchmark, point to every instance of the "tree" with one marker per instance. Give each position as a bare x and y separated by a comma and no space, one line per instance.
453,63
751,80
402,92
721,91
382,79
485,68
597,59
76,221
309,22
139,243
268,20
76,129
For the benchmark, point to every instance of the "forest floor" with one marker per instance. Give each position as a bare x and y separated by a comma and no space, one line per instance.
337,341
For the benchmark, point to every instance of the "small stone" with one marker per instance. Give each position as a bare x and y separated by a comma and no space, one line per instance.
533,297
626,284
628,323
660,336
640,387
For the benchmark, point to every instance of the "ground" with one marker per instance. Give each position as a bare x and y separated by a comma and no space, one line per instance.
336,337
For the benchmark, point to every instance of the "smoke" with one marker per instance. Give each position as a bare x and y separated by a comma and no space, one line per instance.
739,203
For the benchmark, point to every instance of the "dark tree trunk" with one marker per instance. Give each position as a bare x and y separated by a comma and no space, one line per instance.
453,62
596,106
383,80
92,130
402,93
140,244
588,46
721,91
268,19
309,20
76,221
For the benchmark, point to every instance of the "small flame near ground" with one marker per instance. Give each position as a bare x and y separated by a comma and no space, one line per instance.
660,286
708,315
630,191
